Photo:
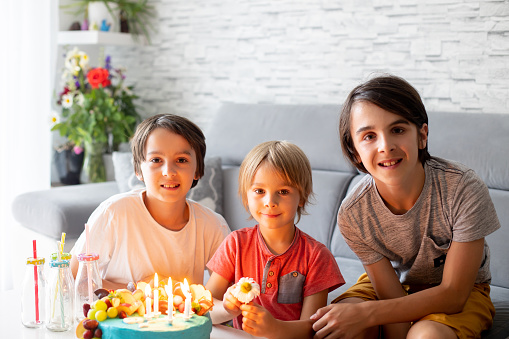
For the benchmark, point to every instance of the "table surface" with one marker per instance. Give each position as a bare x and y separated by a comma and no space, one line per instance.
11,326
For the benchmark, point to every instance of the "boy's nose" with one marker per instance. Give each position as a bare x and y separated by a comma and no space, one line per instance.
270,201
385,144
168,170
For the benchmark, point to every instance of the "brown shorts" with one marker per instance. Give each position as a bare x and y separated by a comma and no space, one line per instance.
477,314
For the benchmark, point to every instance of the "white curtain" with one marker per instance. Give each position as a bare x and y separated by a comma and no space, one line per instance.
27,40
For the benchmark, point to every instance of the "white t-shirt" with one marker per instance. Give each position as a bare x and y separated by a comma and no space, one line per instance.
132,245
454,205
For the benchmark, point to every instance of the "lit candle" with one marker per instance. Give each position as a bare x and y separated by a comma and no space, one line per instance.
187,305
156,296
169,292
148,302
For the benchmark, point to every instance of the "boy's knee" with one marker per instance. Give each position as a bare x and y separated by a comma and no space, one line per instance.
427,329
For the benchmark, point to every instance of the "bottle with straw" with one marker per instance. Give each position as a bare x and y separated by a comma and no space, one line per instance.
60,303
33,292
88,279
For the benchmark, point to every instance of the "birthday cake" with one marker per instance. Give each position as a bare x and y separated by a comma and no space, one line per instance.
125,314
197,327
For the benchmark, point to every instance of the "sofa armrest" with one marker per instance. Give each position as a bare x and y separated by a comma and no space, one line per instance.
61,209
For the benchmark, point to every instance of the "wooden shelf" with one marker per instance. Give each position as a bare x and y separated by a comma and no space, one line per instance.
95,38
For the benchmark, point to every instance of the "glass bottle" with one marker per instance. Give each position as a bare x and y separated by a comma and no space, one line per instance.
60,297
33,294
88,267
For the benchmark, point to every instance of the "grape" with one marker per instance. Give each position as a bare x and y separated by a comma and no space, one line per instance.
98,333
88,334
100,305
86,308
112,312
89,324
122,315
91,313
101,315
131,286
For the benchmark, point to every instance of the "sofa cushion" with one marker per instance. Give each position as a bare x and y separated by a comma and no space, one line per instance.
62,209
498,240
477,140
314,128
124,172
207,192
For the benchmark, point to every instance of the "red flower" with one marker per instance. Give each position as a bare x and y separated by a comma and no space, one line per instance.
98,76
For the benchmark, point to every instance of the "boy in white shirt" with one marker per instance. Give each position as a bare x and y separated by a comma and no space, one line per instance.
156,229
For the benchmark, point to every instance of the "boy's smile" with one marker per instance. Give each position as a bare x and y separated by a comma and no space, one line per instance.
388,147
169,167
272,202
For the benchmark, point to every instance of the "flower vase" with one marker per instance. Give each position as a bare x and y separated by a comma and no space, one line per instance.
94,163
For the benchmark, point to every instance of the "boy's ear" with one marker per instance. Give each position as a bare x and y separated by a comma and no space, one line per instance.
423,136
139,176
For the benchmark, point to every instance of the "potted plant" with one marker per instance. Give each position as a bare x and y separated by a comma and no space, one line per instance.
134,16
98,110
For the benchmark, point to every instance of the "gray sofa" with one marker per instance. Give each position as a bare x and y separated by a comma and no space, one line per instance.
481,141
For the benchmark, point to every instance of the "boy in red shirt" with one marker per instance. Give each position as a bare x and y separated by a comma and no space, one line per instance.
295,271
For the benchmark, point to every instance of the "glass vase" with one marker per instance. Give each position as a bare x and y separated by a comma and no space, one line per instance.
94,163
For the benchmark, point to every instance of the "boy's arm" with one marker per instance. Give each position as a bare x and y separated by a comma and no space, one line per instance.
460,271
218,286
259,322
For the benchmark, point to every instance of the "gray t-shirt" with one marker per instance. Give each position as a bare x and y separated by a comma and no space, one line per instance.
454,205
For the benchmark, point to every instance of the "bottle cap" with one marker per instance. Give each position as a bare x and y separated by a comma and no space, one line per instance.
35,261
60,264
88,257
64,256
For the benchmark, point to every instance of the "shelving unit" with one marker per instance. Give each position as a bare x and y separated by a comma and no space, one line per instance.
95,38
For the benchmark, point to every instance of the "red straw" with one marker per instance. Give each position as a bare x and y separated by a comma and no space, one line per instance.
36,282
90,295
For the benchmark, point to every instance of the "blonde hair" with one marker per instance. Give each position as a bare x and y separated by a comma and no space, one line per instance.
288,160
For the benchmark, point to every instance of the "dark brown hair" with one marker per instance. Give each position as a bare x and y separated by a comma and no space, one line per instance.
391,93
175,124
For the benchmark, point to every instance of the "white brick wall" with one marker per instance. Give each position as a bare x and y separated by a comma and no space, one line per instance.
206,52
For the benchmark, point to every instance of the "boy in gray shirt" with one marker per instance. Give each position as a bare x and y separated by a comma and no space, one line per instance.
416,222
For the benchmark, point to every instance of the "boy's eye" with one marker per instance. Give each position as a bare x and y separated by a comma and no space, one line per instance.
182,160
284,192
155,160
258,191
368,137
398,130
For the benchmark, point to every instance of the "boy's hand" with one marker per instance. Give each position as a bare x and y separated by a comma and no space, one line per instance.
258,321
231,304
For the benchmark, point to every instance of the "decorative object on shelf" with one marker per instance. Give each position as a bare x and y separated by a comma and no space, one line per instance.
69,161
133,16
98,111
103,14
105,27
75,26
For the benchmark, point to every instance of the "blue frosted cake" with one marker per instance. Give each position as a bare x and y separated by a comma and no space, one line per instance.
197,327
